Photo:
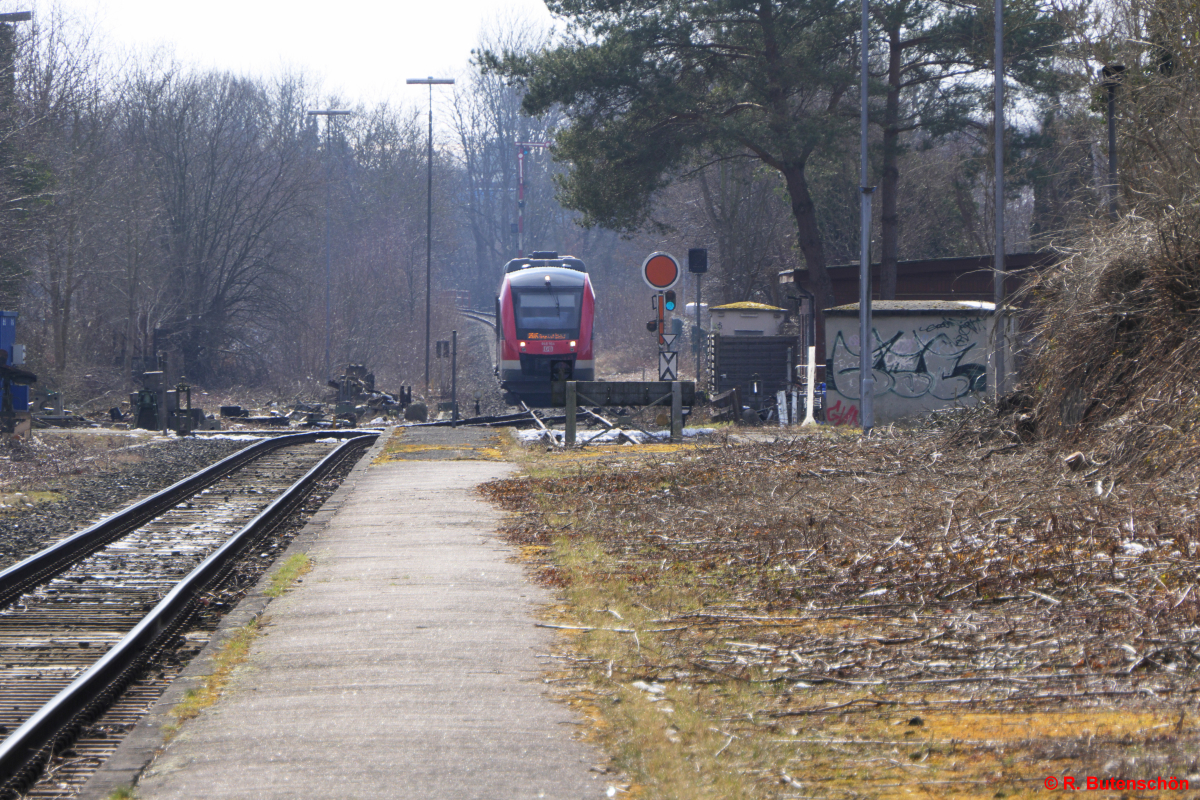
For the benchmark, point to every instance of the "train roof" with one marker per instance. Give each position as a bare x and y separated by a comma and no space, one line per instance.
561,276
545,258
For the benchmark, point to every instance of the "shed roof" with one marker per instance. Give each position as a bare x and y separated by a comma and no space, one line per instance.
745,306
915,307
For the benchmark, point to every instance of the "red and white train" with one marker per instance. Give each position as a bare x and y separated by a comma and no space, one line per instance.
544,315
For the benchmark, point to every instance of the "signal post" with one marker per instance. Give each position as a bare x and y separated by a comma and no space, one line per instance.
661,272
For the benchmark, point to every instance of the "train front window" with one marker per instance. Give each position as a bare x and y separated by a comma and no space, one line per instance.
554,312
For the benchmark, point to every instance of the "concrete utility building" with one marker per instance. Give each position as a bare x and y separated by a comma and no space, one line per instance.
747,319
926,355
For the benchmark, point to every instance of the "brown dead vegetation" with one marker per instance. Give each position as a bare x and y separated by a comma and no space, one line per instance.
49,458
965,611
1118,342
829,602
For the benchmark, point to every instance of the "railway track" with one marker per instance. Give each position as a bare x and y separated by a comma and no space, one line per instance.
485,317
79,620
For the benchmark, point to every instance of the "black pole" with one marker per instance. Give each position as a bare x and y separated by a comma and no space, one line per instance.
998,268
1112,150
8,55
454,378
697,329
430,81
8,64
866,381
328,254
428,237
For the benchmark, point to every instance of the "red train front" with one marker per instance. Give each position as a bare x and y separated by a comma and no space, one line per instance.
544,315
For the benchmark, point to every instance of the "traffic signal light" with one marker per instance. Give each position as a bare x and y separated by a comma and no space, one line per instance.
670,301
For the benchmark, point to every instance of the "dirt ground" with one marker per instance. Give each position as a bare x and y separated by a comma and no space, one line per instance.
830,616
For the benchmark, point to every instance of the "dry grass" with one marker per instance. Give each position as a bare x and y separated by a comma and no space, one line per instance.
1118,342
832,616
52,457
19,500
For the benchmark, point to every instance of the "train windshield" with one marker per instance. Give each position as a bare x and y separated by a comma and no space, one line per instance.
553,312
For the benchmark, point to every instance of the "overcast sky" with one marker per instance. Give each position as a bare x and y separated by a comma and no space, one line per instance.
363,49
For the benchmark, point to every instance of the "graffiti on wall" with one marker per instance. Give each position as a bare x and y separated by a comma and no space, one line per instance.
839,415
932,360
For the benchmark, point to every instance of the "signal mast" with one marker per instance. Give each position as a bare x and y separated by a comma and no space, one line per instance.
522,149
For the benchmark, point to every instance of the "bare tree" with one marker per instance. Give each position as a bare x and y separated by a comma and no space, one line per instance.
381,180
750,221
229,178
64,134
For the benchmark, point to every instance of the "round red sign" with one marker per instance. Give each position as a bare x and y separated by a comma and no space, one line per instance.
660,271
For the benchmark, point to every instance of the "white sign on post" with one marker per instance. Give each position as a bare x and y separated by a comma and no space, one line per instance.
669,340
668,366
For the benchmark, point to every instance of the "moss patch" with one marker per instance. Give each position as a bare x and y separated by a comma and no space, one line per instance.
232,654
492,448
291,571
20,500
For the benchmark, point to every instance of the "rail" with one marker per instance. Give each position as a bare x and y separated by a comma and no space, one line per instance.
54,559
527,417
22,752
485,317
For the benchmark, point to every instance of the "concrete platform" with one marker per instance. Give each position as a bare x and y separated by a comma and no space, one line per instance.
405,665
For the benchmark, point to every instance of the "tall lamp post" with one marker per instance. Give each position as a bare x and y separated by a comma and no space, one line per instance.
8,50
328,114
430,82
998,267
866,380
1111,75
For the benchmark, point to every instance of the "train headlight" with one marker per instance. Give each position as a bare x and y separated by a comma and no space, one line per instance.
572,344
521,345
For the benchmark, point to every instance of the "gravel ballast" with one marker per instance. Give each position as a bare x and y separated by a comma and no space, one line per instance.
87,491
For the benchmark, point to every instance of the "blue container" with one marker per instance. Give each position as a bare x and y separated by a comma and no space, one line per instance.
8,337
8,332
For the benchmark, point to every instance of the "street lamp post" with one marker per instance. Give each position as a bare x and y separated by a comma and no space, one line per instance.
430,82
328,114
998,269
866,380
8,50
1111,75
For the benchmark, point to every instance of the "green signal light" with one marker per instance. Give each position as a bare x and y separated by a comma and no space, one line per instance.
670,301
